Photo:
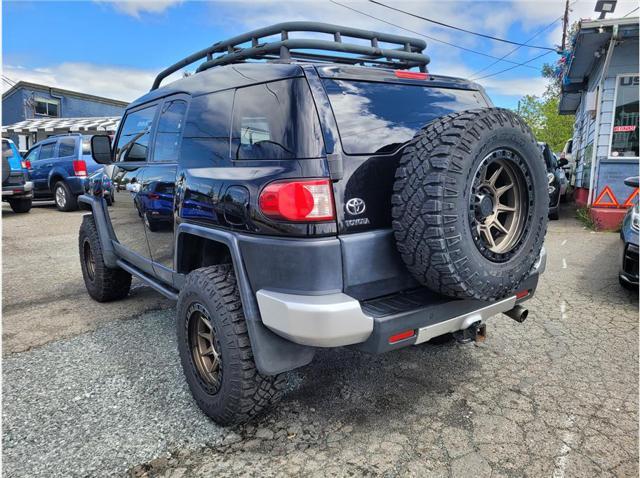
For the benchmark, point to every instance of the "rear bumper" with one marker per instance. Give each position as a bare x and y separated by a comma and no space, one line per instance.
629,270
337,319
22,191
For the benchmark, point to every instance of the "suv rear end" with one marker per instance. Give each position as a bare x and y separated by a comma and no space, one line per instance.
17,190
352,288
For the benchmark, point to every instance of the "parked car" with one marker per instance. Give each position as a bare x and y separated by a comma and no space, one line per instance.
569,166
17,190
563,178
59,167
629,234
555,178
301,204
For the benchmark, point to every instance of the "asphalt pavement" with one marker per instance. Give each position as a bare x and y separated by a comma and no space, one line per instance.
96,389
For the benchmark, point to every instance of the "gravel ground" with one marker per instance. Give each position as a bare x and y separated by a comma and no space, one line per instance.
42,282
555,396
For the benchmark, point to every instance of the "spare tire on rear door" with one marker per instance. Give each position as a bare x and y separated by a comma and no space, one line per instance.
470,204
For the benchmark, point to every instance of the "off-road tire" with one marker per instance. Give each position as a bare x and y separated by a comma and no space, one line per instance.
20,205
243,392
103,284
71,201
431,197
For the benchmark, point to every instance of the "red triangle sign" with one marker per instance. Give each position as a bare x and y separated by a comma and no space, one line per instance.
610,202
629,202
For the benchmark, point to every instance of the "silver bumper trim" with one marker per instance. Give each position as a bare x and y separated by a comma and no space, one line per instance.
331,320
462,322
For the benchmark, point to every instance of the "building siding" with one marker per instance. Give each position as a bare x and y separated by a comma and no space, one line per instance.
609,172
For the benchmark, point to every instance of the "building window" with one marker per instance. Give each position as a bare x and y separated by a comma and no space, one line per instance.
624,135
47,107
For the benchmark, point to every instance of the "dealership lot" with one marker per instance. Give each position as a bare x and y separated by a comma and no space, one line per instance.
96,389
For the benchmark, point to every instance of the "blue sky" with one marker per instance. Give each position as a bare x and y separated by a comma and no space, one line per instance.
115,49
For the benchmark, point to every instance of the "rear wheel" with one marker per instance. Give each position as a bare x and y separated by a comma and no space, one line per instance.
104,284
215,351
20,205
470,204
64,198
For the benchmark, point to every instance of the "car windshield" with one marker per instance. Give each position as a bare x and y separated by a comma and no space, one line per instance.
381,117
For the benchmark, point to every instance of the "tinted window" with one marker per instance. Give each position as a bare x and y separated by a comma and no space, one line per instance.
380,117
47,150
6,150
206,130
133,143
276,120
169,131
66,147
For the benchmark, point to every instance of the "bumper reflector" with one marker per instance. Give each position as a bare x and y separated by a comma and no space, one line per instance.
522,294
401,336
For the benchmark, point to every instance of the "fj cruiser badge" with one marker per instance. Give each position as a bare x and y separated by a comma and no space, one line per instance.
355,206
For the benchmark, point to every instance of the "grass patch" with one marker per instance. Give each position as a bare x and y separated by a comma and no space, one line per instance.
584,216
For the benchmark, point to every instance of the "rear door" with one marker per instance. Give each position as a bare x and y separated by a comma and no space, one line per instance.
375,120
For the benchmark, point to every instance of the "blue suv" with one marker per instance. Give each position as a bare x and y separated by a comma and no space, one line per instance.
58,168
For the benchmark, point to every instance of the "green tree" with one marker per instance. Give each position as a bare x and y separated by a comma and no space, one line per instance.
541,114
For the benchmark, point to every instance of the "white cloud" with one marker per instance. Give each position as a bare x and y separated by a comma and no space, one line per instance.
115,82
135,7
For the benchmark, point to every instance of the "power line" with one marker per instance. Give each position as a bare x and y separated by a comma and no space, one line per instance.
431,37
511,67
518,47
8,80
460,29
634,10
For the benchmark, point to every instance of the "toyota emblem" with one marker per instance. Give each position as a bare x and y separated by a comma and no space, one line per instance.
355,206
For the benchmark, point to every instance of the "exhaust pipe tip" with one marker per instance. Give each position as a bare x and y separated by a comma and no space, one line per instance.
518,313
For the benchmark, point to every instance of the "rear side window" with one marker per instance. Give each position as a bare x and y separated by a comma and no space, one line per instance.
66,147
47,150
86,145
133,143
276,120
169,131
381,117
7,152
206,131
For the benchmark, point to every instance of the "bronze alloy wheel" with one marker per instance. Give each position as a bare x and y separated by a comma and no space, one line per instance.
89,260
499,204
204,347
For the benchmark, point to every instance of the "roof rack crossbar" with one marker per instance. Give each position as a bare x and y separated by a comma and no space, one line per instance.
406,54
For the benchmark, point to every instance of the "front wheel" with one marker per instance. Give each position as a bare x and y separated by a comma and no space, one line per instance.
215,351
103,283
20,205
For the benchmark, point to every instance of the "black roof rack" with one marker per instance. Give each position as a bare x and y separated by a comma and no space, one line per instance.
407,54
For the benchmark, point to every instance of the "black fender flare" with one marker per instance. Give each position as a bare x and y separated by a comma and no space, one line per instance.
273,354
105,231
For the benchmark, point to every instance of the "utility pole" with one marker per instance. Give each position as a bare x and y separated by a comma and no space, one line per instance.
565,24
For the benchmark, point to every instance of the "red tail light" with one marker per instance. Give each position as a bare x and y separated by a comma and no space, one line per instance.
303,201
522,294
411,75
80,167
26,164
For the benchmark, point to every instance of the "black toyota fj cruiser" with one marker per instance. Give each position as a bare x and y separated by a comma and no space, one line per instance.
291,198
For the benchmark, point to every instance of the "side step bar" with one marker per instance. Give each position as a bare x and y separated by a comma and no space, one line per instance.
168,292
